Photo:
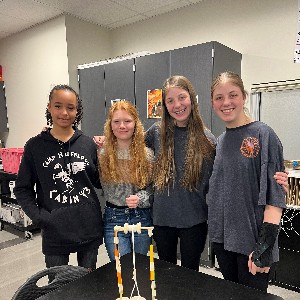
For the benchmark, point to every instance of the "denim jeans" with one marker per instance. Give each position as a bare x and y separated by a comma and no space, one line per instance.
120,216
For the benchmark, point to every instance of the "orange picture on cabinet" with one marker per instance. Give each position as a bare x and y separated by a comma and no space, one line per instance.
154,103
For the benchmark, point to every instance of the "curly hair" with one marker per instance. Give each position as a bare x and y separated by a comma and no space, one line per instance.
198,146
138,167
79,114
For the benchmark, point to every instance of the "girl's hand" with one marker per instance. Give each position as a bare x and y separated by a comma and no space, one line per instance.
99,140
282,178
253,269
132,201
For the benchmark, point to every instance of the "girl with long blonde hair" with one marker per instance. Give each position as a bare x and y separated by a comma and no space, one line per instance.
125,165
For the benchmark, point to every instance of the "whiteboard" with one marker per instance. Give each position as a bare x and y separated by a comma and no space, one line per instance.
281,111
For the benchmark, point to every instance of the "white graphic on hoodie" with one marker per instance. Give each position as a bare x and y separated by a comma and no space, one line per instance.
64,175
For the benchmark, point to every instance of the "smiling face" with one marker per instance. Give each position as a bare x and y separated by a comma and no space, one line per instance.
63,108
178,104
122,125
228,103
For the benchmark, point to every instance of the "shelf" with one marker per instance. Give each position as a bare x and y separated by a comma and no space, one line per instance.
5,198
294,173
19,226
295,207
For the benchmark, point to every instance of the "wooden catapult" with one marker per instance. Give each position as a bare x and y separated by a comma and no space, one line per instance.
133,228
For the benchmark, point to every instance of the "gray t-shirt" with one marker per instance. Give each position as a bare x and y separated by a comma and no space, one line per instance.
242,183
176,206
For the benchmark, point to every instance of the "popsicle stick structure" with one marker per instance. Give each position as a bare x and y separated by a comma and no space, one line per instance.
138,229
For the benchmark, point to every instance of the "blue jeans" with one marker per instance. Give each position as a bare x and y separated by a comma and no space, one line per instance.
120,216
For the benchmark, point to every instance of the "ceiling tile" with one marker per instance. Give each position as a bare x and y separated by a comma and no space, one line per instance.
142,6
12,24
128,21
3,34
166,8
17,15
28,10
196,1
107,13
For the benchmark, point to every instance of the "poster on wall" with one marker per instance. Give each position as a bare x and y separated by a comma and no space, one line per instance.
154,103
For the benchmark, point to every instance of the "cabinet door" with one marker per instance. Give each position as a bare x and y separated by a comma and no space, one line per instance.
3,109
288,268
225,59
91,90
289,236
119,81
287,272
150,73
195,63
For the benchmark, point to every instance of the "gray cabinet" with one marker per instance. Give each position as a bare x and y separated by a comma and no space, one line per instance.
119,81
201,64
98,86
91,91
132,78
150,73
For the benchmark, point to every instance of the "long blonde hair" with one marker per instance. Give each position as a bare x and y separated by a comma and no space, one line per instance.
198,146
138,167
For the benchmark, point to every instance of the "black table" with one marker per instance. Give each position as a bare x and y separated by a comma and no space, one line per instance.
172,283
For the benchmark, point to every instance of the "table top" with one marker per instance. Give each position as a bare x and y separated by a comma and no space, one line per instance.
172,283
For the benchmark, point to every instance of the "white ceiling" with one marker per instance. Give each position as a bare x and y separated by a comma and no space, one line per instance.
18,15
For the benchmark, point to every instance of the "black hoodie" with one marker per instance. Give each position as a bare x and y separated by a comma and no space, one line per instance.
55,188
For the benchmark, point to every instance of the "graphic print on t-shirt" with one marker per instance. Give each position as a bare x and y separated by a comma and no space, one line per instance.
250,147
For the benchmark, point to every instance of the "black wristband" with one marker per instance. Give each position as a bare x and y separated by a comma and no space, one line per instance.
262,254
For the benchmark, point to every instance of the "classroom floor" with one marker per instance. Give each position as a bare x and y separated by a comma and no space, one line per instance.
21,258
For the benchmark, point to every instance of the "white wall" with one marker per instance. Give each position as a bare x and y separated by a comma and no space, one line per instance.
37,59
264,31
32,61
86,43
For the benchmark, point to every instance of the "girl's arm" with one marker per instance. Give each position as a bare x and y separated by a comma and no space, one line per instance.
260,259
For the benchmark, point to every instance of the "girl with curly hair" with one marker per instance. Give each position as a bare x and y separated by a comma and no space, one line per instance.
125,166
56,184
